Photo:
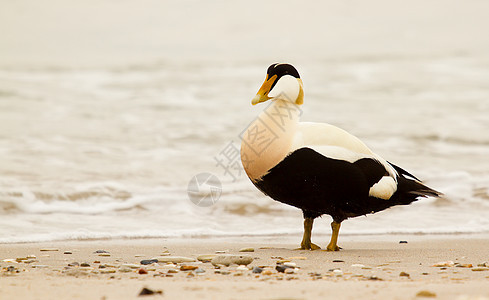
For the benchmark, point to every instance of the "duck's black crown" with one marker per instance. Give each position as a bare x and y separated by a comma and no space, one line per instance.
281,70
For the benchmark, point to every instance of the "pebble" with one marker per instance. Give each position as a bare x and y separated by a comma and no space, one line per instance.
73,264
67,252
142,271
221,251
85,265
11,269
111,266
290,271
48,249
338,273
199,271
174,259
145,292
206,257
257,270
9,260
30,261
281,268
478,269
463,265
290,264
125,269
374,278
31,256
427,294
404,274
444,264
40,266
148,261
101,251
358,266
247,250
172,271
297,258
132,266
104,254
187,268
281,261
242,268
267,272
403,242
338,261
229,259
75,272
169,266
19,259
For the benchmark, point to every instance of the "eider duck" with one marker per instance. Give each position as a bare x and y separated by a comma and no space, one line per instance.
317,167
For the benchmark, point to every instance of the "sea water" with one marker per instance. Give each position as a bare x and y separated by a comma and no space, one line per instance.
107,150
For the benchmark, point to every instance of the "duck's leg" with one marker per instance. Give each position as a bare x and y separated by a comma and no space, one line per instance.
335,226
306,239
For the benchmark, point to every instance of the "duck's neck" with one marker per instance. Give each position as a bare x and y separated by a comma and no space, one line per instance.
269,138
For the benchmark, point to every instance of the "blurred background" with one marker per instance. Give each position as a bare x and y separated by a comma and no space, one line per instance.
109,108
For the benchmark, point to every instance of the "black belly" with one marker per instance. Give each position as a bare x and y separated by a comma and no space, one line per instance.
321,185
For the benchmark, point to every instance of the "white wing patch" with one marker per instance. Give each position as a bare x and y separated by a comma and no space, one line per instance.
384,189
322,134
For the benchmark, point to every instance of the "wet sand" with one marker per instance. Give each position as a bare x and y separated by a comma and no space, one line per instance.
371,267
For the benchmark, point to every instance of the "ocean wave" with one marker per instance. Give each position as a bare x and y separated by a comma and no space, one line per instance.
470,140
102,153
87,199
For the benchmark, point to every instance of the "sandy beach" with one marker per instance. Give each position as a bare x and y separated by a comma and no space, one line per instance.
371,267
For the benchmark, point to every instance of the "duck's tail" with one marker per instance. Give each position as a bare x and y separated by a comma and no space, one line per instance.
410,188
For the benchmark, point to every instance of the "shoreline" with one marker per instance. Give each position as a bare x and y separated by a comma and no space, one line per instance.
279,237
372,267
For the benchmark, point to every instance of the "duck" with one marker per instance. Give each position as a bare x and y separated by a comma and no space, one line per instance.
317,167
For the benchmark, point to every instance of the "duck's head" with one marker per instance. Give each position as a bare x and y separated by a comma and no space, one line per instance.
282,82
